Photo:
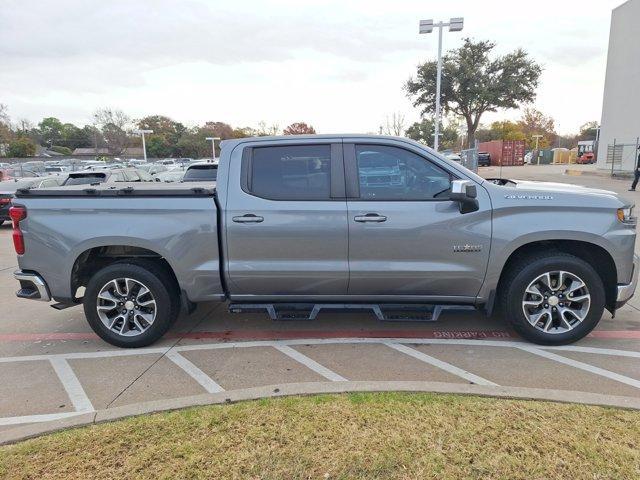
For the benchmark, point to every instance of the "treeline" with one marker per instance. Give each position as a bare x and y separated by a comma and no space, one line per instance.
113,131
531,123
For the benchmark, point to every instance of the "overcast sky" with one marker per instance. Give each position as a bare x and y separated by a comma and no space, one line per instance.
338,65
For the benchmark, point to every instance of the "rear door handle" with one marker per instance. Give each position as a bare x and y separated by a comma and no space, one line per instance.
370,217
248,218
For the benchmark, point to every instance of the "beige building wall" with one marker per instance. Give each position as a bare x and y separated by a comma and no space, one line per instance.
621,103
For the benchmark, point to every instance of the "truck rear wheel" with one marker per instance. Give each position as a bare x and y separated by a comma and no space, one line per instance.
131,303
553,299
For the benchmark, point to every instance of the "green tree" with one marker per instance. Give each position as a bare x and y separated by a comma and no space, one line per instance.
50,131
22,147
473,83
167,131
159,147
423,131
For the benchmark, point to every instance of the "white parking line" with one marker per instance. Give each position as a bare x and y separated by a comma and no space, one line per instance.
309,341
194,372
72,385
447,367
310,363
582,366
47,417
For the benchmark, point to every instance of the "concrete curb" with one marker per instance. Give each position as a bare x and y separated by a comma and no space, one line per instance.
310,388
598,173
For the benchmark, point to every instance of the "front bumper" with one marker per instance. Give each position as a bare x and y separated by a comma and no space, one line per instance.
32,286
626,291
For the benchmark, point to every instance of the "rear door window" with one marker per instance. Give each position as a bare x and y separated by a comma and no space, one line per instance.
293,172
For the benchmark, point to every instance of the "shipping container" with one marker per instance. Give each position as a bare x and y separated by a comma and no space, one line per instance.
504,152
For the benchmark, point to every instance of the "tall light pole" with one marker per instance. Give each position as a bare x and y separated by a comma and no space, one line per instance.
144,145
537,137
213,147
426,26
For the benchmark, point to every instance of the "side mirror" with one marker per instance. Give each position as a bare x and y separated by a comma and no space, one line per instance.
464,192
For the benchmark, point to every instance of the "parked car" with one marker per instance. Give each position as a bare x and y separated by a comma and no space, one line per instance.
201,172
17,171
170,176
454,157
92,177
153,169
291,223
484,159
53,169
8,189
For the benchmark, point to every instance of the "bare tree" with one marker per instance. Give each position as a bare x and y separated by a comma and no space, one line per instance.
263,130
394,125
4,114
114,125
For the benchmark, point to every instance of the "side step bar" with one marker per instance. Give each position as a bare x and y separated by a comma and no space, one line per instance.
383,312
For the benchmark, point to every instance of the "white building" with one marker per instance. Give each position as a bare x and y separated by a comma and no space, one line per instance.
621,103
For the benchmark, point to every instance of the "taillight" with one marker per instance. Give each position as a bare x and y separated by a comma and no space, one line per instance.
5,201
17,213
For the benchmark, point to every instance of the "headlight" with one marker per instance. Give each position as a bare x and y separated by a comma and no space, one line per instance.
625,215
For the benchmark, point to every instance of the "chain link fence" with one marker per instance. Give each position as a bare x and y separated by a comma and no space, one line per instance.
469,159
622,157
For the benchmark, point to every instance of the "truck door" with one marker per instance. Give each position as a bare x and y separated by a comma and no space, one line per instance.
286,220
406,238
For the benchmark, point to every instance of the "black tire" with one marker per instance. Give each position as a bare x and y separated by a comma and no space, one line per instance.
162,287
521,274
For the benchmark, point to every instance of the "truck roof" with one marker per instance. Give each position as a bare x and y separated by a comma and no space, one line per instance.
292,138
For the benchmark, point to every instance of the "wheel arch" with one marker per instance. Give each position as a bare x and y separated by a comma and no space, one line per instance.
595,255
96,257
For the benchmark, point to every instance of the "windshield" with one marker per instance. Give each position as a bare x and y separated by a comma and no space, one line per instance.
85,179
203,173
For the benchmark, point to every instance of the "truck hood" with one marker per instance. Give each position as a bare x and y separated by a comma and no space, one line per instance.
558,187
558,193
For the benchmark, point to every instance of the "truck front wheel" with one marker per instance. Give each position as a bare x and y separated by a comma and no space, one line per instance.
131,303
553,299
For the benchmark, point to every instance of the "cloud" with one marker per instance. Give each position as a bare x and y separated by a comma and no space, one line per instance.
156,33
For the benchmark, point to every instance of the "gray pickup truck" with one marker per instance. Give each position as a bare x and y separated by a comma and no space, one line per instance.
324,221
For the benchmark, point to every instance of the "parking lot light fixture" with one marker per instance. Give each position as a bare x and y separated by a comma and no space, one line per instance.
144,145
455,24
213,147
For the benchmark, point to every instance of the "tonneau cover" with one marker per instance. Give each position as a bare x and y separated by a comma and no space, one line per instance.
137,189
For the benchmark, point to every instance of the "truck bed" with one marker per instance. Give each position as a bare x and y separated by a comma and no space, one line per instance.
178,223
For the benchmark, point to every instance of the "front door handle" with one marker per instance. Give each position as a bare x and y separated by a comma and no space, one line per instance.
248,218
370,217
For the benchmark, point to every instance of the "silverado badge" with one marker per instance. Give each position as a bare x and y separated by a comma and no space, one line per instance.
467,248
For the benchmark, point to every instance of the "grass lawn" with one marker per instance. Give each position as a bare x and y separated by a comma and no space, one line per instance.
359,436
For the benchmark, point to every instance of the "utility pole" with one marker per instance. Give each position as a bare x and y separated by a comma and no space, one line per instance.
426,26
